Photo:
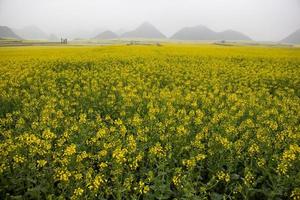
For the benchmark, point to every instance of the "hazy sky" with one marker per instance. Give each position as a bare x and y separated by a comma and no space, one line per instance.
260,19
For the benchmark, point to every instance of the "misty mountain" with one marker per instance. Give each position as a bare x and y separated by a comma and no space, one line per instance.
6,32
81,33
31,33
195,33
96,31
121,31
145,30
77,34
106,35
232,35
203,33
293,38
53,38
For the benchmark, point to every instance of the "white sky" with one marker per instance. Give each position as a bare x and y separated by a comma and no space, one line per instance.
260,19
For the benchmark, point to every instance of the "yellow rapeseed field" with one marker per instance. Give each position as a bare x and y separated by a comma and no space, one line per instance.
149,122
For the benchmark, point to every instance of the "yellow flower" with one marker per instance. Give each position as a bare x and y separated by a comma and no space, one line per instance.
128,183
295,194
78,176
136,121
157,150
136,161
82,156
60,114
78,192
102,153
181,130
146,189
176,180
119,155
189,163
131,143
249,178
282,168
62,175
41,163
48,135
103,165
20,123
123,130
101,133
143,189
287,159
254,148
224,141
70,150
3,167
222,176
200,157
261,162
118,122
97,182
18,159
82,118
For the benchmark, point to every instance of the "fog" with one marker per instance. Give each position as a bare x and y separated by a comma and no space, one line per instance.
263,20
